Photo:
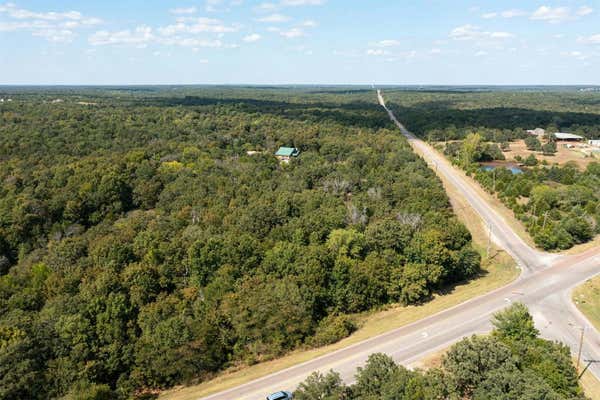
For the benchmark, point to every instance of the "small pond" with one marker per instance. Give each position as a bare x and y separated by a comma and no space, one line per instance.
513,169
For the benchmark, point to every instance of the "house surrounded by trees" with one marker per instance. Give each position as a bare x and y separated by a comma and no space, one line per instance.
284,154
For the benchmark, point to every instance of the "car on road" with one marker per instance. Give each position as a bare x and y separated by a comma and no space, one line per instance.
280,396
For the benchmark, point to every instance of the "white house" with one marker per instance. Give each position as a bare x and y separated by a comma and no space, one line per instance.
536,132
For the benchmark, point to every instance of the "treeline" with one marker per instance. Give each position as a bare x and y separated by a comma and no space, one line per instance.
511,363
141,246
497,115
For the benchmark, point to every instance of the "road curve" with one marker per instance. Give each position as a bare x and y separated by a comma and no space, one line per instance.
544,286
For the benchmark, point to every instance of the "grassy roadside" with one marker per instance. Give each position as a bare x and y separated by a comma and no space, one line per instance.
506,213
498,271
590,385
587,299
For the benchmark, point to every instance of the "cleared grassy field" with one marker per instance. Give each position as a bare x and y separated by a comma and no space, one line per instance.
497,271
563,154
587,299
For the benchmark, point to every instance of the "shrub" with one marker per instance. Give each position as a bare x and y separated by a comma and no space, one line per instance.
531,161
332,329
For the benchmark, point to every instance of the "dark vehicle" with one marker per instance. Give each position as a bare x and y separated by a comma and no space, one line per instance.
280,396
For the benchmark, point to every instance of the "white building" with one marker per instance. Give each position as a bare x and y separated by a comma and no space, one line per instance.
595,143
567,136
536,132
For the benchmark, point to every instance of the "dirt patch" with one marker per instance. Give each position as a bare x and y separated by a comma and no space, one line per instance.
581,156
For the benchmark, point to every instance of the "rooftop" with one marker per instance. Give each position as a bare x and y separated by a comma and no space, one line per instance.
563,136
287,152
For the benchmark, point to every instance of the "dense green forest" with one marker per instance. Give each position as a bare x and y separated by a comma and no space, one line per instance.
496,115
512,363
142,246
559,205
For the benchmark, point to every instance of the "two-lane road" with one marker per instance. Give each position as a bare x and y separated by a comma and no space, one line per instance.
543,286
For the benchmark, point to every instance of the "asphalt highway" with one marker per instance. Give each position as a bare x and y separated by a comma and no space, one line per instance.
544,285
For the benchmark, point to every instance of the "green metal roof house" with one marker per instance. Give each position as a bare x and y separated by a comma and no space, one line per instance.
287,152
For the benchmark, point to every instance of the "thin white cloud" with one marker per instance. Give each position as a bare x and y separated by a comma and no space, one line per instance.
500,35
143,36
183,10
266,7
512,13
274,18
551,14
197,25
471,32
273,6
377,52
52,26
309,23
585,10
254,37
543,13
221,5
594,39
578,55
140,36
292,33
555,15
212,5
387,43
296,3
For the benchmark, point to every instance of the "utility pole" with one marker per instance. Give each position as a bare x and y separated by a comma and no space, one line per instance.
545,218
489,245
580,347
494,178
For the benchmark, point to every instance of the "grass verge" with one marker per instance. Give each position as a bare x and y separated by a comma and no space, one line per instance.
590,385
497,271
587,299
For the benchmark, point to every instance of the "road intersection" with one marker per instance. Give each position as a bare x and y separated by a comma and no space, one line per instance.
544,286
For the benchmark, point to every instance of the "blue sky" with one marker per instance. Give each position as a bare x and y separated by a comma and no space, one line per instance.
299,41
